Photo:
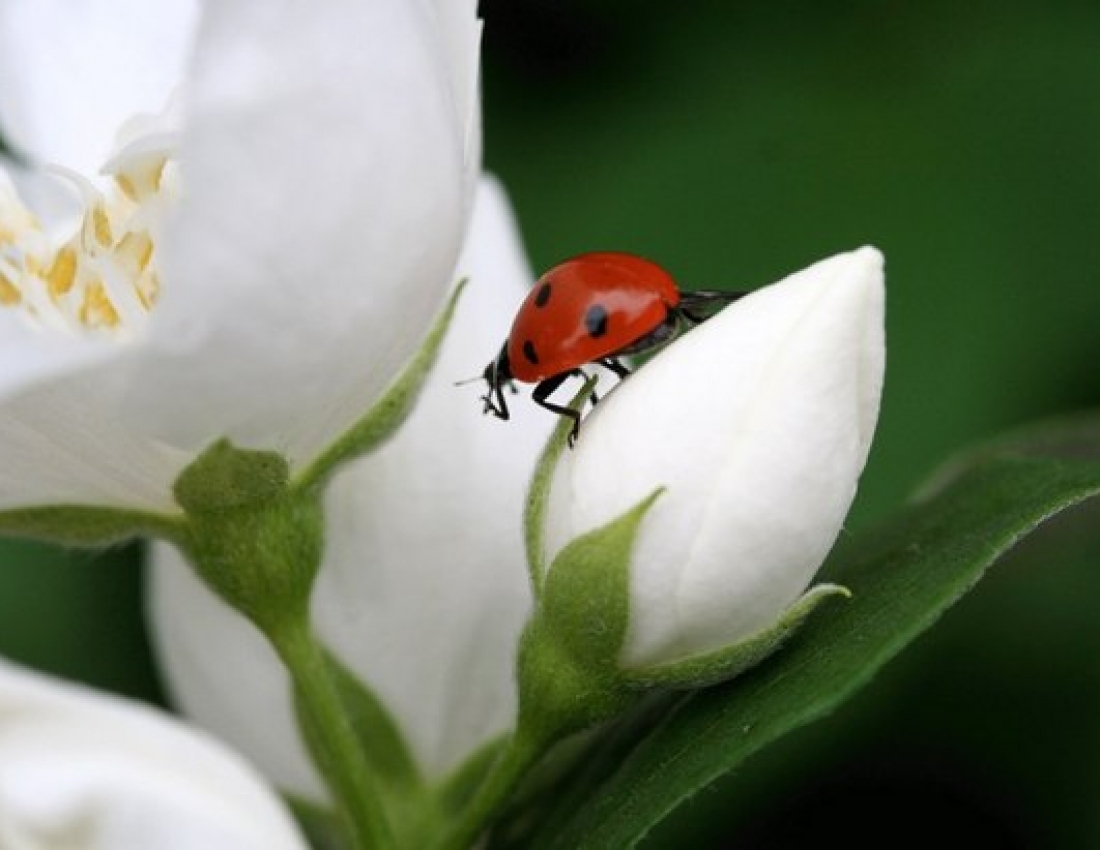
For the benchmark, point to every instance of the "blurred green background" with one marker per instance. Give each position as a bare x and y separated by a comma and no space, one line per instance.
736,142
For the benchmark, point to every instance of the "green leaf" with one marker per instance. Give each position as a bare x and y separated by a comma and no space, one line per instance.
902,577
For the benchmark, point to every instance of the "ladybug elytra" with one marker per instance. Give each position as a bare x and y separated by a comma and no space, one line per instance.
593,308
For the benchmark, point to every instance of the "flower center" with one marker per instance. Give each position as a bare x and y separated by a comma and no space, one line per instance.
101,275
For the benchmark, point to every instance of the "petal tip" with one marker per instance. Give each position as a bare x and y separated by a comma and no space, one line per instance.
870,255
866,263
862,275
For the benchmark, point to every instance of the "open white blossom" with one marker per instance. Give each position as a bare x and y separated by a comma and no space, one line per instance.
758,424
256,263
422,591
88,771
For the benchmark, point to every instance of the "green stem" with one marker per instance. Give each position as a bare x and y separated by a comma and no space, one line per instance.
520,754
346,773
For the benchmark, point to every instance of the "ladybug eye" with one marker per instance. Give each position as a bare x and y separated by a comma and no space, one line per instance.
542,297
595,320
530,353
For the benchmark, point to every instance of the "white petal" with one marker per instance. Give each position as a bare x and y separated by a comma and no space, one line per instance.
323,169
43,194
71,73
758,423
201,646
423,591
427,562
94,772
61,442
461,31
28,357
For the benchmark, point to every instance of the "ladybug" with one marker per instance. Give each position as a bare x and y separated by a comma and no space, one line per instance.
593,308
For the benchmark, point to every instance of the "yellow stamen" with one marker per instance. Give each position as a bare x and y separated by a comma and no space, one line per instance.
101,227
97,311
103,277
62,274
142,178
157,173
148,290
134,251
9,295
127,186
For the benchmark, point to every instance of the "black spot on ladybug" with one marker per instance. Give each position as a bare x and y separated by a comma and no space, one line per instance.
542,297
530,354
595,320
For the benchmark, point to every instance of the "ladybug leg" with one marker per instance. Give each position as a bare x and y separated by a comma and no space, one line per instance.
496,375
500,408
541,395
616,366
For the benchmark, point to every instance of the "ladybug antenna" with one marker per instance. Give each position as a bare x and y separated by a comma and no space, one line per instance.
466,381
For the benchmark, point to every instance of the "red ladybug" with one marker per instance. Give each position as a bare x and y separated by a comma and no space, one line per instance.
593,308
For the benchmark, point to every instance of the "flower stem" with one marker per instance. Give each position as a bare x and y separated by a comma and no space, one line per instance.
335,746
520,754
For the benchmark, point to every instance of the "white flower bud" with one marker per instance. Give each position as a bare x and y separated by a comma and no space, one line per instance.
758,424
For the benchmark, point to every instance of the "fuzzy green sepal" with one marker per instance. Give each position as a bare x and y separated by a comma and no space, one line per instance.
701,671
569,676
255,543
538,493
390,411
227,478
87,525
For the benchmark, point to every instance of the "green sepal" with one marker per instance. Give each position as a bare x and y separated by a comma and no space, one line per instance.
255,543
538,493
711,668
569,676
86,525
390,411
260,561
225,478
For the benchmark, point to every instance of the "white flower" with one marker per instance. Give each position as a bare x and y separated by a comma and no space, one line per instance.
422,591
261,274
88,771
758,423
71,74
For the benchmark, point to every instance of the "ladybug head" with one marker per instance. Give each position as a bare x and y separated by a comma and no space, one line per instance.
496,375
